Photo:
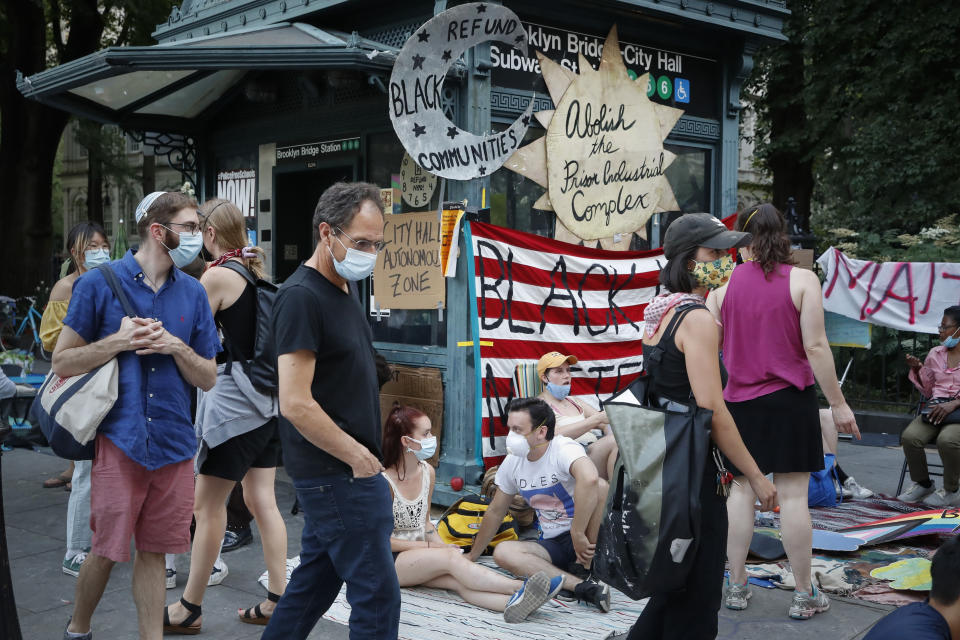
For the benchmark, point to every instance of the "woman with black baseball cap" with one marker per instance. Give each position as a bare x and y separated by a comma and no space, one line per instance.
774,346
685,337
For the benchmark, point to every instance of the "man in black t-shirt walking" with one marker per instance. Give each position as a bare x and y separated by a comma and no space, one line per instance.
330,426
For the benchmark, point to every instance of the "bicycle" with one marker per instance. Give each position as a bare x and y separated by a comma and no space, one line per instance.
32,318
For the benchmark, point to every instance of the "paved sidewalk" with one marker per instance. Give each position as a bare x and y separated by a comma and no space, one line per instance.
35,537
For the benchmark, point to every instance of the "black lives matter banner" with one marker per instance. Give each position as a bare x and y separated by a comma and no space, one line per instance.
536,295
680,80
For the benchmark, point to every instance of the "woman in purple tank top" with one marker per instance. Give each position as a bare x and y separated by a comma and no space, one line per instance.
774,345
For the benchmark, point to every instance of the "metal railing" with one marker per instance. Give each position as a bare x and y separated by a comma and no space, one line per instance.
877,380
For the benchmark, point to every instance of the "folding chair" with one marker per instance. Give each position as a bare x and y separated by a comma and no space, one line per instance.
930,447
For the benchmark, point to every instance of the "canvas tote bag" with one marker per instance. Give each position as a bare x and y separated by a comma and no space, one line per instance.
69,409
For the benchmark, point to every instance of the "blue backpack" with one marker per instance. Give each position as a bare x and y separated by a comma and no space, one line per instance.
822,492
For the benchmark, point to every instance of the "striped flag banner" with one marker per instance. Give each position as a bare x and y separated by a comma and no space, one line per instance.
535,295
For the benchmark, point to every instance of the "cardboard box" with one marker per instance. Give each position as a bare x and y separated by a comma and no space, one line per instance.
803,258
419,387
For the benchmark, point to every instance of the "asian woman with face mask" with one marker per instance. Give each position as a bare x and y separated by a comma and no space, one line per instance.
89,248
420,556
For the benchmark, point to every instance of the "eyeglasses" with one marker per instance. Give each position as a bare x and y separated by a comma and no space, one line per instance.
191,228
946,327
364,245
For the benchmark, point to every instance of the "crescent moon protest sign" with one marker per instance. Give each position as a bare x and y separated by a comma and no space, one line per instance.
416,92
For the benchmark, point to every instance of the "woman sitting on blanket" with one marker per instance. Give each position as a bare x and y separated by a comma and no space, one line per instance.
420,556
576,419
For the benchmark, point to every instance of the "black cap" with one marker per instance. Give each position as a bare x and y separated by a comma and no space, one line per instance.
693,230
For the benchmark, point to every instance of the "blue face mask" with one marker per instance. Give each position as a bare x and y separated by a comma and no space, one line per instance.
93,258
356,265
952,341
558,391
188,249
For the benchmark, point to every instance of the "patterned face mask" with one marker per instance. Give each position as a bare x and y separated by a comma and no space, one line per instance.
713,274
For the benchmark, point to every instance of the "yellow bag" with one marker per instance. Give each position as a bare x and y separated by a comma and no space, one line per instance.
460,523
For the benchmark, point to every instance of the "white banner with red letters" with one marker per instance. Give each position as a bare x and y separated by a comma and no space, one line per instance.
535,295
910,296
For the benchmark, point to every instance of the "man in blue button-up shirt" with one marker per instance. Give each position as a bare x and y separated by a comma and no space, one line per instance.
142,476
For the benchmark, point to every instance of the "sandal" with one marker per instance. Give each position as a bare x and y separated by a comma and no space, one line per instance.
254,615
56,482
189,626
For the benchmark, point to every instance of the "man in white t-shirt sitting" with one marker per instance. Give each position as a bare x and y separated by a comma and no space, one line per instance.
560,482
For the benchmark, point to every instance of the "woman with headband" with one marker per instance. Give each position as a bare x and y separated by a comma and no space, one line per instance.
774,347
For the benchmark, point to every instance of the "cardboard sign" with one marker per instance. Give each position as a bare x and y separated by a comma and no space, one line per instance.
408,273
910,296
419,387
803,258
416,92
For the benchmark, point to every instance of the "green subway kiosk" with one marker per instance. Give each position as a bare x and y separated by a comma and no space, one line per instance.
269,102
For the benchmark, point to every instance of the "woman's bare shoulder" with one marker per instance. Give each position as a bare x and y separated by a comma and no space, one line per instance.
63,288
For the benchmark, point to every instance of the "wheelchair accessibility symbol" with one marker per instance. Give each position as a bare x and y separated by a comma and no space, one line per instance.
681,90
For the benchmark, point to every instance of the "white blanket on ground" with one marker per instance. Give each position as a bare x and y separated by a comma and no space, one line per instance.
436,614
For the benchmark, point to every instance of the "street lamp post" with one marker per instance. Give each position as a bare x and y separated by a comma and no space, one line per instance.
9,622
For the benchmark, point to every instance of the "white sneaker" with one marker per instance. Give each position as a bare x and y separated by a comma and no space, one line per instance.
171,578
292,563
805,605
853,490
218,573
916,493
942,498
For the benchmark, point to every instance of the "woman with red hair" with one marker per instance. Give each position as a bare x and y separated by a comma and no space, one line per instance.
420,556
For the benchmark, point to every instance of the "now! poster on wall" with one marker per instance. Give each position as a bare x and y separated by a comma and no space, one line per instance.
408,274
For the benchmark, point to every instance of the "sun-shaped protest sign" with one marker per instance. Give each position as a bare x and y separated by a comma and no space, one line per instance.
602,160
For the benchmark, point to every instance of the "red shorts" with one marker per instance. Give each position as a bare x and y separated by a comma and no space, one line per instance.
126,499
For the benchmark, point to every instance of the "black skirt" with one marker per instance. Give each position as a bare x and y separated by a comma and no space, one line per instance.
781,430
232,459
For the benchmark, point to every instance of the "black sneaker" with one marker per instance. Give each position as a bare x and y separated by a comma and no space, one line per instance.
596,593
235,539
72,636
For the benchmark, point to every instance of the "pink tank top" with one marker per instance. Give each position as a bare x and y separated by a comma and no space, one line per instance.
762,344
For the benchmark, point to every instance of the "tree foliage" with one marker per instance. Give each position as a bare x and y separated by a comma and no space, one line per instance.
35,35
864,100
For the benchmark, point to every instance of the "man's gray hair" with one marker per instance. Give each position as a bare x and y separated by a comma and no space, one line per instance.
341,202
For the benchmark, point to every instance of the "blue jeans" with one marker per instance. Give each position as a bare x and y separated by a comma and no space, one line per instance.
346,538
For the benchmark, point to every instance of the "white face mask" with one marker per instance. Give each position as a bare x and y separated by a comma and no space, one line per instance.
517,445
428,447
